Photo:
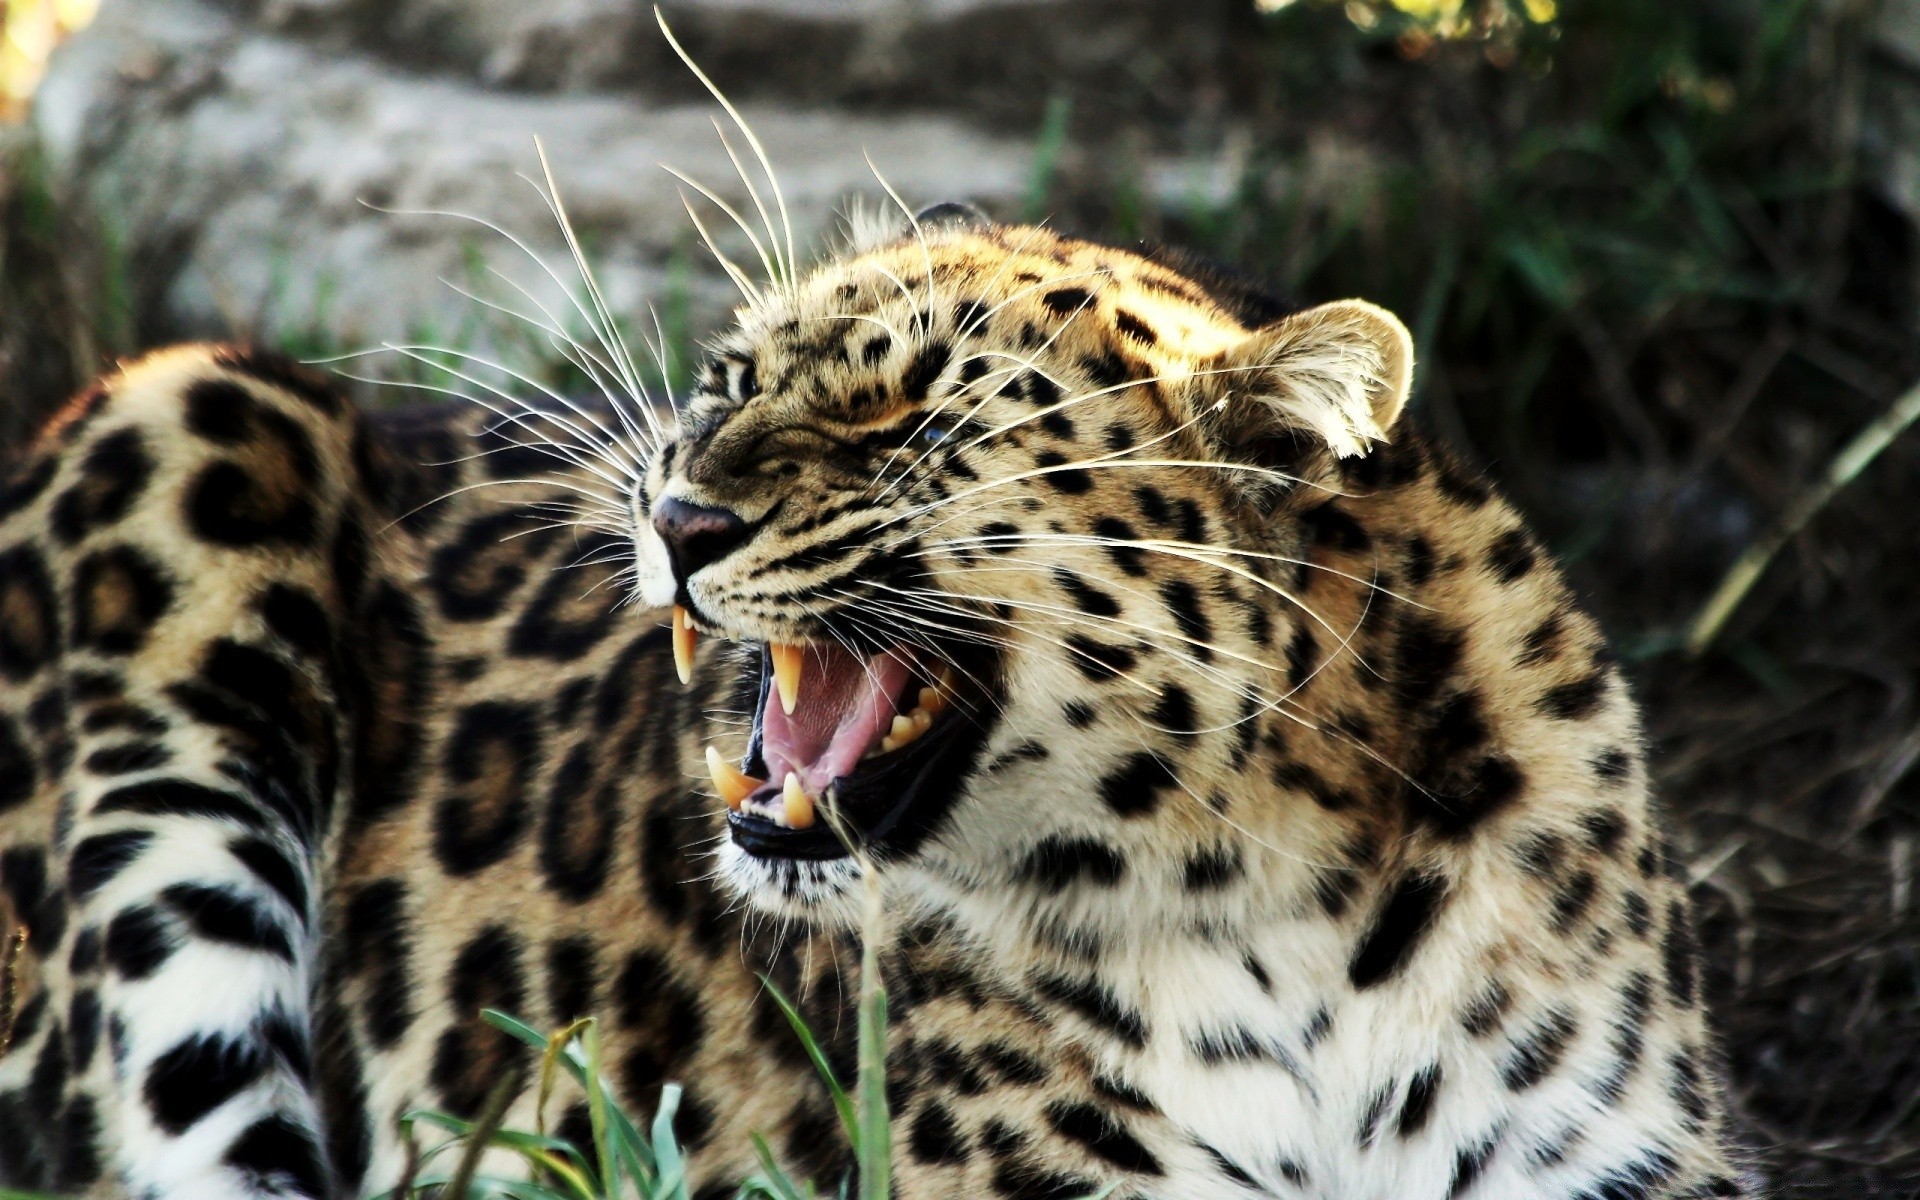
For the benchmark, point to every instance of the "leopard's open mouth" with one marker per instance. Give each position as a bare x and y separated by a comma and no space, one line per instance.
883,742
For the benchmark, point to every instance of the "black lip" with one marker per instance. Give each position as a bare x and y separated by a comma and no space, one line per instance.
892,803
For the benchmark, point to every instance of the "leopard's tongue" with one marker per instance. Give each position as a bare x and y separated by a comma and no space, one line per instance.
844,709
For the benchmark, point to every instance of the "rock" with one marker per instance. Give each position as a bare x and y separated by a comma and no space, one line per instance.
240,167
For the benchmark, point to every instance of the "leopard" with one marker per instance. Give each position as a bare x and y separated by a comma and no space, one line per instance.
1229,791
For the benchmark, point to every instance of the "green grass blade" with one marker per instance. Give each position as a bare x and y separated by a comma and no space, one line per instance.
842,1102
874,1148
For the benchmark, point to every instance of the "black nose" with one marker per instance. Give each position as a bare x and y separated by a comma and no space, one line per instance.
696,535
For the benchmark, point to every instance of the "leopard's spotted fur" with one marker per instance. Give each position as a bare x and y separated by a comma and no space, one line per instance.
1305,849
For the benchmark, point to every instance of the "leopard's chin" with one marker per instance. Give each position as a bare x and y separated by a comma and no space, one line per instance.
852,752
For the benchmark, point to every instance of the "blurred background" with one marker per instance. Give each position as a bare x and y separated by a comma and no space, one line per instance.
1659,256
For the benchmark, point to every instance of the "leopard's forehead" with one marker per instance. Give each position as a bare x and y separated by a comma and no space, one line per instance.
865,327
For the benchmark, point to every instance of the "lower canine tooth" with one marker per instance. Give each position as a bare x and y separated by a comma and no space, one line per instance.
797,804
733,784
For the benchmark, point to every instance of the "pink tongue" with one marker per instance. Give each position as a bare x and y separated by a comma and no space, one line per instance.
845,708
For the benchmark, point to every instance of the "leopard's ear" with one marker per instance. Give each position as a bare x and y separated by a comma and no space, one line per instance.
1333,377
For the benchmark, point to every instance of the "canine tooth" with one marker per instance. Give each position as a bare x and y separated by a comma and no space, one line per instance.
683,640
932,700
787,660
946,678
797,804
733,784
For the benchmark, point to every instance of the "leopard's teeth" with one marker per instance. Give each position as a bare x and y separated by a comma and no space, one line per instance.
796,805
683,642
733,784
787,660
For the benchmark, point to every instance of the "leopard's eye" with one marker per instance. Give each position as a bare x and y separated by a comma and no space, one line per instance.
934,431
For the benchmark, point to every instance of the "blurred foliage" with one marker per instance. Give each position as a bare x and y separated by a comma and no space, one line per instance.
1617,230
29,30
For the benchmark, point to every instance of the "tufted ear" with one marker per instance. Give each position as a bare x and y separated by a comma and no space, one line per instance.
1328,378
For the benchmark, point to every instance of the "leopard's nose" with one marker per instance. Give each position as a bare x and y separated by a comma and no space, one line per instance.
696,535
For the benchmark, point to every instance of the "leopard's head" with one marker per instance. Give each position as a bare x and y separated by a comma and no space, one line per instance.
1004,522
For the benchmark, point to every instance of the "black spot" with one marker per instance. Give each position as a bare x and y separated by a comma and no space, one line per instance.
83,1027
279,1154
1017,1068
1173,711
274,869
1104,1137
476,573
1457,484
1642,1179
573,610
1638,917
229,505
1469,1164
923,369
29,623
1511,555
1066,301
1677,950
1078,714
1059,424
489,763
471,1057
1612,766
1542,642
572,979
1087,598
98,859
577,831
138,942
1183,601
222,915
1135,328
1370,1117
935,1137
198,1075
282,373
374,941
1427,656
126,758
297,618
22,486
1397,931
1099,661
1072,481
1128,558
1538,1051
220,410
1213,868
1605,828
116,597
1419,1104
664,1019
875,349
1098,1005
1057,863
1419,560
1134,789
1333,527
1571,900
1303,655
1576,700
112,475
